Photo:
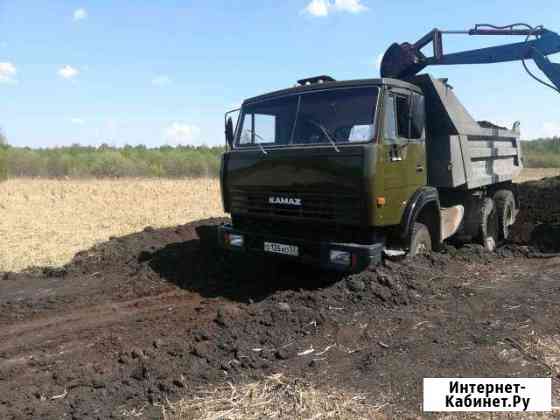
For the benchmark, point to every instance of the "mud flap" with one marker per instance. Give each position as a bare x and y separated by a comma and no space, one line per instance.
451,219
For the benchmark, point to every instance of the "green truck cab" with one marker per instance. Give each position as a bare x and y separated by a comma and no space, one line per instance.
337,173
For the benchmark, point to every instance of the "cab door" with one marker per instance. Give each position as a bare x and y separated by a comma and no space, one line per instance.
402,161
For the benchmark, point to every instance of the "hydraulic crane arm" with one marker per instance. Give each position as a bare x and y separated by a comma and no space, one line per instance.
405,60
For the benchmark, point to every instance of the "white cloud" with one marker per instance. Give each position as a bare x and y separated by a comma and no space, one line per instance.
352,6
68,72
80,14
322,8
317,8
161,80
179,133
7,72
77,121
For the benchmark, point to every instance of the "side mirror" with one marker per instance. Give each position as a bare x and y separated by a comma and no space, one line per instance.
229,132
229,128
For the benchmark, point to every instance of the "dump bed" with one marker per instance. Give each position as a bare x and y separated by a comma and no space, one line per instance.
461,152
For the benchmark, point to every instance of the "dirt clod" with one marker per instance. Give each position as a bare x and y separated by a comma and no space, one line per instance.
356,285
285,307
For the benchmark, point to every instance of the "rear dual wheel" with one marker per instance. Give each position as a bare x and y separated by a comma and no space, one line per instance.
488,232
505,207
495,217
487,225
491,224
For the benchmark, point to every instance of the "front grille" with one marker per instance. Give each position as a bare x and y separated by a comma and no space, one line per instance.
307,231
324,207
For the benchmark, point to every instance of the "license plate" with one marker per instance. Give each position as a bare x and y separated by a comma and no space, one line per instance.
275,248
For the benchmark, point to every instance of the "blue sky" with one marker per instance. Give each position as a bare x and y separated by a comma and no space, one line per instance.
164,72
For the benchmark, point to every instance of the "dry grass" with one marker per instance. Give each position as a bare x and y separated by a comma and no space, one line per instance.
45,222
550,348
530,174
545,349
275,397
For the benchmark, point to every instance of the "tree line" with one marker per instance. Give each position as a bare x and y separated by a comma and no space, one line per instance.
110,162
542,153
167,162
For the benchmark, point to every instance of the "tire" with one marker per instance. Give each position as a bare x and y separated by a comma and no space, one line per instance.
505,207
420,240
488,234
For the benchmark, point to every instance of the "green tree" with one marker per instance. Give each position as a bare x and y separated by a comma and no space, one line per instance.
110,162
3,156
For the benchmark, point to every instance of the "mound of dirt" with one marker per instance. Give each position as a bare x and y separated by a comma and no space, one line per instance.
539,207
115,270
141,318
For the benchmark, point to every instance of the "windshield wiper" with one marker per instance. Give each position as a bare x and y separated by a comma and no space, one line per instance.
263,150
258,144
326,133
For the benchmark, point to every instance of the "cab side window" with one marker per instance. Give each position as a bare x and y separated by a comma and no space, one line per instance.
389,123
410,116
403,117
417,117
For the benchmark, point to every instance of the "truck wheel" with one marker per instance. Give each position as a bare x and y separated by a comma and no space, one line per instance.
420,240
488,229
505,207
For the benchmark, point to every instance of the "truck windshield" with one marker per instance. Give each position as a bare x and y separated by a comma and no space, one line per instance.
342,115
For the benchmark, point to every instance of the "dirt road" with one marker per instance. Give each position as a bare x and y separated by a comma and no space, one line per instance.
154,315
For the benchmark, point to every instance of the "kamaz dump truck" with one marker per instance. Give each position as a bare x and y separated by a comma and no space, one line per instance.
336,173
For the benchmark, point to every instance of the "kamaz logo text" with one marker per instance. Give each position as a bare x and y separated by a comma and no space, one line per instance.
285,201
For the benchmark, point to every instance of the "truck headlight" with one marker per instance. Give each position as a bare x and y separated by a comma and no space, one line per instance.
236,241
340,257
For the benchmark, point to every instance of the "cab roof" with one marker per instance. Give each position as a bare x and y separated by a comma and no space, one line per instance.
334,84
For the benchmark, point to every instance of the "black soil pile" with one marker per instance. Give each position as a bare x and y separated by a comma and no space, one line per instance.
538,222
143,318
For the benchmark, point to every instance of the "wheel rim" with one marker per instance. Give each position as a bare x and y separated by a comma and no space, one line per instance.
422,249
491,231
490,244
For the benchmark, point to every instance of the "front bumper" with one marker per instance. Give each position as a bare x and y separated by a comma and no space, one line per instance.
316,253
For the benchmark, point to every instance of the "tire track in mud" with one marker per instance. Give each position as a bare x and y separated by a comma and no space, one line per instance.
85,322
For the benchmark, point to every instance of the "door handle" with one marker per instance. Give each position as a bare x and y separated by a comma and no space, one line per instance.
419,168
394,154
